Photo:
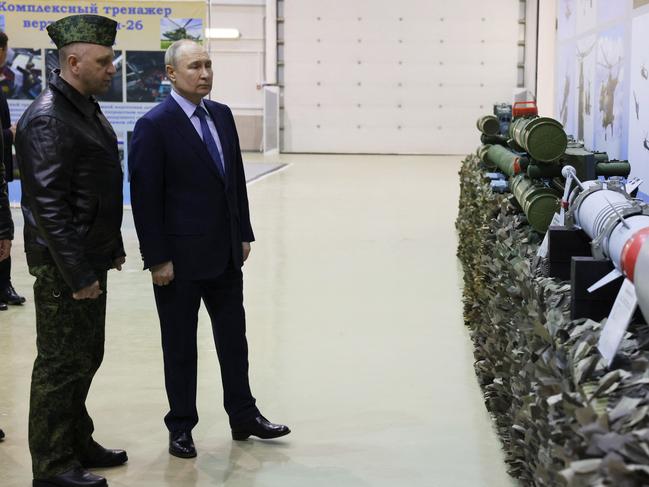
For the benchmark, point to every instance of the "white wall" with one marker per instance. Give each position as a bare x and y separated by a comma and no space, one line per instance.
379,76
239,65
546,57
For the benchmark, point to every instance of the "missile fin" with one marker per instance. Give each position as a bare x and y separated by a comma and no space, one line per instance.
619,215
607,279
632,185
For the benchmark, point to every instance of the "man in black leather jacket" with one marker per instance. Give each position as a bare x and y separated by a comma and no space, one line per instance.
72,204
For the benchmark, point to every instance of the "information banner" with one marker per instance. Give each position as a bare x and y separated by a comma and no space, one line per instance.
145,30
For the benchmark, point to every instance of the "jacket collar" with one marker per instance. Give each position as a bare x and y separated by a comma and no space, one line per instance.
86,105
189,134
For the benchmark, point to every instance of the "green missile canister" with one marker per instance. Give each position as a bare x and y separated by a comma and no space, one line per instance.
542,138
482,154
539,202
539,171
507,161
494,139
617,168
488,125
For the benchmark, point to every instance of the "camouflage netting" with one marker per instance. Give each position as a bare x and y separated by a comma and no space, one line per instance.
562,416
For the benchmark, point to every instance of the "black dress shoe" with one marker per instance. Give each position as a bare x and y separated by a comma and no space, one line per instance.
181,444
2,435
100,457
260,427
10,296
3,306
76,477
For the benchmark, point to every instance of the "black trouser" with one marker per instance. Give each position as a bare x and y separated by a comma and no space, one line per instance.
5,273
178,304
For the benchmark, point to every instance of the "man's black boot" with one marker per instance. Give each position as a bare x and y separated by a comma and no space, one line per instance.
9,295
75,477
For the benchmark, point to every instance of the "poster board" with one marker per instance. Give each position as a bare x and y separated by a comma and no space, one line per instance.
145,30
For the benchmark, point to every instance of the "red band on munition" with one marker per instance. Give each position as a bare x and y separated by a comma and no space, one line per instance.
517,165
631,250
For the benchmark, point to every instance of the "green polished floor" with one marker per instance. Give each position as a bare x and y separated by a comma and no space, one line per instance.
356,339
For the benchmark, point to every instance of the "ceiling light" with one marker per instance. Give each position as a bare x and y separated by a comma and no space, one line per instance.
222,33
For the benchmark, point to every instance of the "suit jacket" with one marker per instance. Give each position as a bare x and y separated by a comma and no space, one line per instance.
184,211
7,137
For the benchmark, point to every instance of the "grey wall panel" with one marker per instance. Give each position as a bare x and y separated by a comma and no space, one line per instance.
250,129
394,77
239,66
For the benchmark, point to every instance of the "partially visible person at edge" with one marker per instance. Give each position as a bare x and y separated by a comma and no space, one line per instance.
6,227
8,294
72,204
190,208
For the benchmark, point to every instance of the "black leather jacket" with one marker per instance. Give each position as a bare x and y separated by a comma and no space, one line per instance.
6,225
71,184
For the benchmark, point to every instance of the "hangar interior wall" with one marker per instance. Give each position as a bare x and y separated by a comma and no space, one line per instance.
406,77
239,65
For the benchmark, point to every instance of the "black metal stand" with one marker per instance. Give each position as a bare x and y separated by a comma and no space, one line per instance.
586,271
563,245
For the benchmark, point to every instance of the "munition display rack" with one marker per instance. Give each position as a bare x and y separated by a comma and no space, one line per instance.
531,154
565,415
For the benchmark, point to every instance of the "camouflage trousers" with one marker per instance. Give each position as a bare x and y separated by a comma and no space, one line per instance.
70,345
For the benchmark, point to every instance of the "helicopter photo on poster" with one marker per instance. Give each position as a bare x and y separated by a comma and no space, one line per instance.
172,30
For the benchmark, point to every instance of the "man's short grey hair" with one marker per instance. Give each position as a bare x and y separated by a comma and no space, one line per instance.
171,55
76,48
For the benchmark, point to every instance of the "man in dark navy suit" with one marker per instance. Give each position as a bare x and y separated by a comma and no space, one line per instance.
190,205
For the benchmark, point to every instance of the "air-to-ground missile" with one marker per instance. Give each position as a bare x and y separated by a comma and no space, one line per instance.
635,264
618,228
609,216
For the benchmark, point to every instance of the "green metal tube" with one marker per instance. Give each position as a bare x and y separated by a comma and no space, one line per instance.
488,125
618,168
494,139
538,171
482,154
507,161
600,157
542,138
539,203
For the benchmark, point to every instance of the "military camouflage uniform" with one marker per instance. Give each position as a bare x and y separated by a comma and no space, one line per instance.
70,343
72,205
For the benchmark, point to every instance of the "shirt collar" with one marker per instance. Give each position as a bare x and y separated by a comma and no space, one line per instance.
188,107
86,105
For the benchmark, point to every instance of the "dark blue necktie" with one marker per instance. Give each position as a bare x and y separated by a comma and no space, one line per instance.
209,140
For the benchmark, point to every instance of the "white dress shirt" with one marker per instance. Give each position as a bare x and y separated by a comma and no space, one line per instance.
189,108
